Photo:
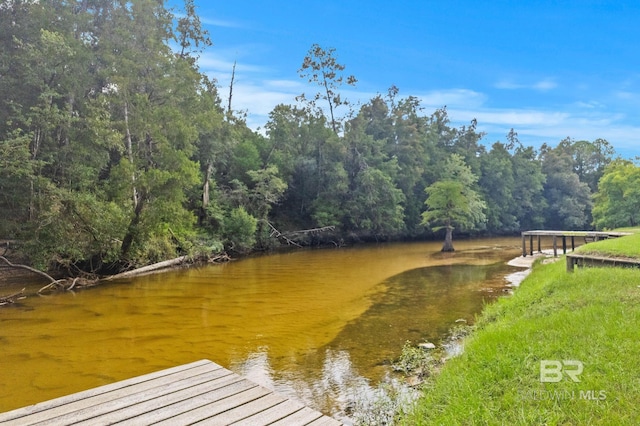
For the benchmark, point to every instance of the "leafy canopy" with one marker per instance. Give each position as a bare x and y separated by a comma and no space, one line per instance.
452,201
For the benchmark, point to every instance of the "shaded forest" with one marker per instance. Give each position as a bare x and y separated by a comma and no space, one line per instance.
117,151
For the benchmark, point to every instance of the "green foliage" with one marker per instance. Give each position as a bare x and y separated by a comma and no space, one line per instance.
376,205
452,201
568,198
267,190
415,361
528,195
321,67
240,230
617,202
132,158
497,184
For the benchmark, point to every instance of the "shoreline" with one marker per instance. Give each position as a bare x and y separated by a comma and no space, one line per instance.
553,317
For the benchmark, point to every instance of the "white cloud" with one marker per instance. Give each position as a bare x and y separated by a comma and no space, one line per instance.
220,23
452,98
542,85
258,89
589,105
545,85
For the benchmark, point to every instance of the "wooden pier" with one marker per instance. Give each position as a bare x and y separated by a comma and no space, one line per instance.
201,392
587,236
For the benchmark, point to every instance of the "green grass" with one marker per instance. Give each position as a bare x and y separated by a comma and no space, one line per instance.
628,246
591,316
633,229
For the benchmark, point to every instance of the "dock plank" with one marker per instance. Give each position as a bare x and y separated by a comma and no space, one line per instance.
96,396
234,415
215,408
201,392
273,414
167,412
301,417
125,409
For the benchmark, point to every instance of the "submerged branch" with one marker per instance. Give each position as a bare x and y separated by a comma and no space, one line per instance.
12,298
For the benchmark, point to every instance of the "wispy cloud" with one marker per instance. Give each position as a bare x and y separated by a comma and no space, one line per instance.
452,98
541,85
221,23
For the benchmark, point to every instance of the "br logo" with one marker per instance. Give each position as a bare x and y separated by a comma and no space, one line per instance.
553,371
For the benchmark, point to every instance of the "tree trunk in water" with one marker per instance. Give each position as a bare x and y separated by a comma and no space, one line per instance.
448,240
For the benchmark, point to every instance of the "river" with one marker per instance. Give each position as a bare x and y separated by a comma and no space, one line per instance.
318,325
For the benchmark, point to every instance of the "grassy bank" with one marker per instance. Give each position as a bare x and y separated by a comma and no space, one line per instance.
628,246
590,316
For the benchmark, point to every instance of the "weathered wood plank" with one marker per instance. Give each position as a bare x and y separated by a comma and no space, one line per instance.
140,404
168,412
257,406
201,392
582,260
216,407
325,421
69,402
301,417
275,413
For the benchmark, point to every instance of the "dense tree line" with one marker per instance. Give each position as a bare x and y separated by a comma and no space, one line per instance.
116,150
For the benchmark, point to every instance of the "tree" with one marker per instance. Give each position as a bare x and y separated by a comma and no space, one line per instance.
589,158
497,186
321,67
452,201
568,199
617,202
528,188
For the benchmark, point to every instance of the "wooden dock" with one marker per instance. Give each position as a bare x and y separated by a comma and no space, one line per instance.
587,236
201,392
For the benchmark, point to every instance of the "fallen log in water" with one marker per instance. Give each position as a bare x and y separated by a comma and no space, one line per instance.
164,265
12,298
149,268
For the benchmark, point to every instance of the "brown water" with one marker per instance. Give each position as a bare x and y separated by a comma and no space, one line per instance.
312,324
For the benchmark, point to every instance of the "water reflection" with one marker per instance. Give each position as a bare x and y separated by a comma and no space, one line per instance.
341,378
318,325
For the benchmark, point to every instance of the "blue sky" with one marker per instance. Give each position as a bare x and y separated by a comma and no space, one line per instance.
548,69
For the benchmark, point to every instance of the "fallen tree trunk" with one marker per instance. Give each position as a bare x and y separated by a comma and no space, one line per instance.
28,268
12,298
148,269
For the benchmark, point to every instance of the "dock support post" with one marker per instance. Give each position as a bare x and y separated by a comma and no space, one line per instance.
539,249
555,246
564,245
524,245
573,243
531,245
